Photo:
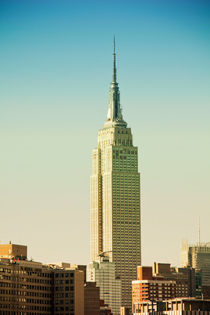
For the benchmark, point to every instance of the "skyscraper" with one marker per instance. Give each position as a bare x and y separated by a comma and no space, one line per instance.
115,195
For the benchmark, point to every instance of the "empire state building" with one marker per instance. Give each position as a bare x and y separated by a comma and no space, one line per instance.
115,195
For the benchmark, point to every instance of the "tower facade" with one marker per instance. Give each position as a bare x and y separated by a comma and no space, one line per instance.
198,257
104,274
115,195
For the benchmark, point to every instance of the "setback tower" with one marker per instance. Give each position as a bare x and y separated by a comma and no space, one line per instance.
115,195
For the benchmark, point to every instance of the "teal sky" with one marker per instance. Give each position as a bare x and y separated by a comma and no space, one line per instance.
56,64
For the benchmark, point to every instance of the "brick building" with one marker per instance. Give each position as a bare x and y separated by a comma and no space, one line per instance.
166,283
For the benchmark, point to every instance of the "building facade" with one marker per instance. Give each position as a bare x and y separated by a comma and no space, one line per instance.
92,299
32,288
67,291
166,283
185,278
13,251
198,257
180,306
115,195
25,288
104,274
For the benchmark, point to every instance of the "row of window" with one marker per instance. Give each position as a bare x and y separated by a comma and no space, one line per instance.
27,271
62,275
64,281
64,288
25,293
11,300
26,310
27,279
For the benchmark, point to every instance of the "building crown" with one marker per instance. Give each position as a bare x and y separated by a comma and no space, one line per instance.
114,116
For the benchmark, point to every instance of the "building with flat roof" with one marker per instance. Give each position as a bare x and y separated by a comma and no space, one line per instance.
13,251
183,276
25,287
165,283
68,292
32,288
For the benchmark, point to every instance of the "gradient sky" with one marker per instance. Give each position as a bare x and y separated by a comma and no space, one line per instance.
56,64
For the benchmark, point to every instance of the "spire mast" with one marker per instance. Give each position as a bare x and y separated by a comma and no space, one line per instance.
114,65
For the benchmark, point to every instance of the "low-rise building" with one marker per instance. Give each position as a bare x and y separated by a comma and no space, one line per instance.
184,277
178,306
165,283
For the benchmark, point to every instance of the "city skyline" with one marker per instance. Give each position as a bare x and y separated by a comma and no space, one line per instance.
54,96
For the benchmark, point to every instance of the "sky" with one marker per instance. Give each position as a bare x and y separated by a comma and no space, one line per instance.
56,68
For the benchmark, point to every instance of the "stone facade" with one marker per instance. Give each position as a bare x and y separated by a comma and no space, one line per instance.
115,196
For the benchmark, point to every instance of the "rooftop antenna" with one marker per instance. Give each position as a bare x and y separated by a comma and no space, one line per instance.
199,232
114,64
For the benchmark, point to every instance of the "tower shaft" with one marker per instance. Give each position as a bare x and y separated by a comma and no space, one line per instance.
115,197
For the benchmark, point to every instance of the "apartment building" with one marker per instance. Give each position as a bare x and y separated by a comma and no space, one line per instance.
30,288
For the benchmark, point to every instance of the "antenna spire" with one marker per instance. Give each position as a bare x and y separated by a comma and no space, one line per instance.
114,64
199,232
